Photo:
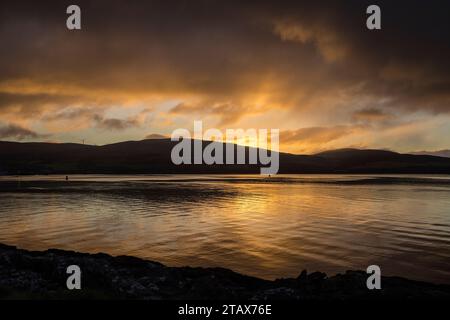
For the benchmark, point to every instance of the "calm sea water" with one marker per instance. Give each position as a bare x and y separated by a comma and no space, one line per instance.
263,227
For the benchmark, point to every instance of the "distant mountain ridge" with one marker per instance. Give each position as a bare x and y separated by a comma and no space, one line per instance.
152,156
439,153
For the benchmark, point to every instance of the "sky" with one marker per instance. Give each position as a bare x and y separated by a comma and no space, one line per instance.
311,69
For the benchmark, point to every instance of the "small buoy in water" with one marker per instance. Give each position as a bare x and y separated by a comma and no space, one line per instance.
67,178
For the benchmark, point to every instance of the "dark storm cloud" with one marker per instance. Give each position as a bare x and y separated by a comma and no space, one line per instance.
371,115
29,104
17,132
227,54
115,124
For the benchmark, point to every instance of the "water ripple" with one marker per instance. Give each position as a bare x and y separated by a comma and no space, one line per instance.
264,228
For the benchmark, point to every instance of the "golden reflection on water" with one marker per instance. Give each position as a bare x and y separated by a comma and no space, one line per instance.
264,228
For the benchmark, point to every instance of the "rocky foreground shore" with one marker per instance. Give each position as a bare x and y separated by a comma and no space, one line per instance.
42,275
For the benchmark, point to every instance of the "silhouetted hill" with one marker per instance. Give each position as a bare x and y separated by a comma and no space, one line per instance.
439,153
348,153
153,156
370,160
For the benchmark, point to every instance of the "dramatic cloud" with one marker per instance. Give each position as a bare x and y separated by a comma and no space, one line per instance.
27,105
371,115
315,138
228,112
274,64
328,43
71,114
115,124
316,134
16,132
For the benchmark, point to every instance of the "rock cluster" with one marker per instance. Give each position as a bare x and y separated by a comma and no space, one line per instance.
42,275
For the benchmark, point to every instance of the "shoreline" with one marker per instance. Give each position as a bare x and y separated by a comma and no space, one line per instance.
42,275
